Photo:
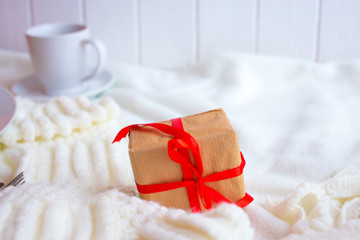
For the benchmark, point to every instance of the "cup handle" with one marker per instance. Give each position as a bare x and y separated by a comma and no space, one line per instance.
101,55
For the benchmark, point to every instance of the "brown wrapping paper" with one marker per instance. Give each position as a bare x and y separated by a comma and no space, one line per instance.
218,148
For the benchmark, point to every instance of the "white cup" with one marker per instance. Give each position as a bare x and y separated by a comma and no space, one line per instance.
60,57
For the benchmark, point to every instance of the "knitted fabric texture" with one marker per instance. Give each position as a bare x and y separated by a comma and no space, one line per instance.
80,186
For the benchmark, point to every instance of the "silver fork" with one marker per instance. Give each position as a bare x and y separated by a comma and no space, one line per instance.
19,179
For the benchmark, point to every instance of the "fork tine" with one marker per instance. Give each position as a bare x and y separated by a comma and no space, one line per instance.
17,182
19,179
14,180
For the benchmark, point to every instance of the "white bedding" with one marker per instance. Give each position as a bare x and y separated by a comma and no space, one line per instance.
298,128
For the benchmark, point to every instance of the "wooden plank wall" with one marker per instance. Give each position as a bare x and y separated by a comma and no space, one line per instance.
179,33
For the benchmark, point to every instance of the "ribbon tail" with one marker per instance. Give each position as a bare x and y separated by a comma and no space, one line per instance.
123,133
246,200
207,194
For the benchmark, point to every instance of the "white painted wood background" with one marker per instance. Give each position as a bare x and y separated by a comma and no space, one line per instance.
179,33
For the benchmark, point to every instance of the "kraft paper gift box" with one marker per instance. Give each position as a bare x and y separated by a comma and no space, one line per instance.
219,151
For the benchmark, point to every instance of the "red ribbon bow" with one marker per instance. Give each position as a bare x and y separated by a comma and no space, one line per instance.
178,150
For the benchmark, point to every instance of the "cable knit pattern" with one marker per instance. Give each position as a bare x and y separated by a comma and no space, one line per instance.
80,186
41,211
60,117
334,204
65,139
93,160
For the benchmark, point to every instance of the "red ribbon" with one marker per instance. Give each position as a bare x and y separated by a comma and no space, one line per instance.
178,150
188,175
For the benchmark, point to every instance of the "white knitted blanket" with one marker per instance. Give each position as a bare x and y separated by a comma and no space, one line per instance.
298,126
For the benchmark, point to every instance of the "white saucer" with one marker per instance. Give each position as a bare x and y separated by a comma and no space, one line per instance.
29,87
7,108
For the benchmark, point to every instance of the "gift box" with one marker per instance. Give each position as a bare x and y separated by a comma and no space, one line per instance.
191,162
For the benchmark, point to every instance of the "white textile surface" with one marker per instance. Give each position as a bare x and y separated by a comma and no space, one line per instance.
298,125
